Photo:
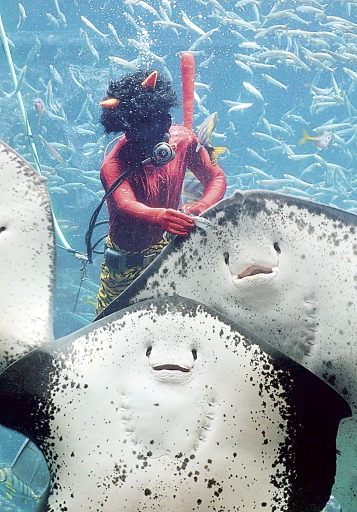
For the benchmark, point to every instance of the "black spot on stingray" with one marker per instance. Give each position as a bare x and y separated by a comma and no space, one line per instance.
332,380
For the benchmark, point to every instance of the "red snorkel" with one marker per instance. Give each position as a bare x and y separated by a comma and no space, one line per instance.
188,87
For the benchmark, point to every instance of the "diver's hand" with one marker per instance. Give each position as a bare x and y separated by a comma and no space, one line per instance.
175,222
194,208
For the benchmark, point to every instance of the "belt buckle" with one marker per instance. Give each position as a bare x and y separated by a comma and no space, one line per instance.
114,260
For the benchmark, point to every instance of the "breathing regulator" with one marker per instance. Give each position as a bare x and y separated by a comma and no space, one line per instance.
162,154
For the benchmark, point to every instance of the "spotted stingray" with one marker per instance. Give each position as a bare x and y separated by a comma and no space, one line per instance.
27,258
286,269
170,406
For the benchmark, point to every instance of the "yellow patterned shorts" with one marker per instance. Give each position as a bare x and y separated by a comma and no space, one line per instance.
113,283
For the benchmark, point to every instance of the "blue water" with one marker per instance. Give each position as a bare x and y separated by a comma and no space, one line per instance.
325,41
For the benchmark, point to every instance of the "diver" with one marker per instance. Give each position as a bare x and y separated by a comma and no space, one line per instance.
154,156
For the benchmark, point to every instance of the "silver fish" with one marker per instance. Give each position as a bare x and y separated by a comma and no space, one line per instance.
19,83
93,27
123,62
115,34
23,16
60,13
88,45
240,106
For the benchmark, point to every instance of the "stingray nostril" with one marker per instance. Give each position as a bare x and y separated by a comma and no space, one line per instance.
194,353
148,351
226,257
2,228
277,247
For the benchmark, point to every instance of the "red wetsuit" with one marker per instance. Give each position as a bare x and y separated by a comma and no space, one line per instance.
132,225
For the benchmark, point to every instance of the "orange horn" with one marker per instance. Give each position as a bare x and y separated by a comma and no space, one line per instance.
109,103
150,81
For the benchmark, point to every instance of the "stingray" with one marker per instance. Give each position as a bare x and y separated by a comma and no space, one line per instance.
168,405
286,269
26,258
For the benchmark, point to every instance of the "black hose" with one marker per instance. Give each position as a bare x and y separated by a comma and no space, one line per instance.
92,223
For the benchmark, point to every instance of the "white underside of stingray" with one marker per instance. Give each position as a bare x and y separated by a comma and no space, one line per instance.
209,418
286,269
27,254
168,406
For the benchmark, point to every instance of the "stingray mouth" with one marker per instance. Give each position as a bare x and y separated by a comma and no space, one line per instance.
255,275
254,270
170,367
171,373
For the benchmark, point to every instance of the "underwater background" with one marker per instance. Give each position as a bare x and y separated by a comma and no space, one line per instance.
271,69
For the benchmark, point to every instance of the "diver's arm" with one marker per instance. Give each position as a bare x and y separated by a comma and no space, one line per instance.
211,177
170,220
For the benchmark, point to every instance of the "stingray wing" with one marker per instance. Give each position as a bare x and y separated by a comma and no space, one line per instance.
27,258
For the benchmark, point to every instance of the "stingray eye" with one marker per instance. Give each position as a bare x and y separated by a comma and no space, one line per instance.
194,353
226,257
148,351
2,228
277,247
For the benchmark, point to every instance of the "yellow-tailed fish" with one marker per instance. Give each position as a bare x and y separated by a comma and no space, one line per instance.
204,133
322,141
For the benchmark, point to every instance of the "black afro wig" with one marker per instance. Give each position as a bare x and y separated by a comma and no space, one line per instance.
137,104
